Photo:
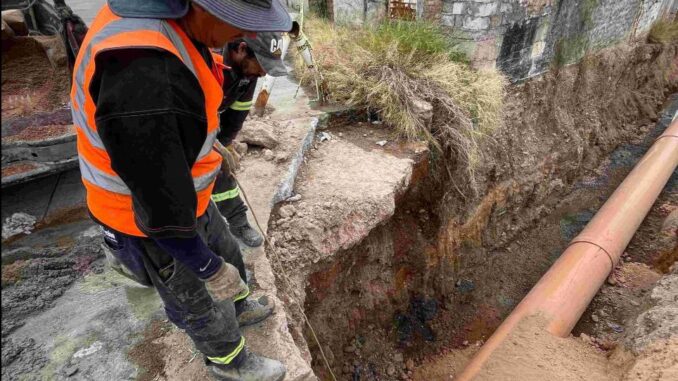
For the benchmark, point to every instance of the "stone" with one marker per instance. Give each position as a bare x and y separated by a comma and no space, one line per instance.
18,223
287,211
476,23
281,157
586,338
268,155
349,349
398,357
391,370
382,143
595,318
484,10
295,198
258,134
458,8
324,136
422,110
15,19
410,365
240,147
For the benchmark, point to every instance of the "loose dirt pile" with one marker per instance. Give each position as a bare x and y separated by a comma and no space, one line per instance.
530,353
31,82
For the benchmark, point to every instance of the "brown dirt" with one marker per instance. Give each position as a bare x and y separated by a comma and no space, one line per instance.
454,362
13,169
148,354
64,216
530,353
181,360
167,354
29,81
659,362
11,273
40,132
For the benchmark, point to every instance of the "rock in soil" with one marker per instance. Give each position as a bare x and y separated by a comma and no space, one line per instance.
258,134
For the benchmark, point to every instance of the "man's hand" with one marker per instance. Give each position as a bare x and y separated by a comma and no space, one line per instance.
226,283
231,157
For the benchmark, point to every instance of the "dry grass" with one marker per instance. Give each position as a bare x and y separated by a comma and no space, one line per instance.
393,68
663,32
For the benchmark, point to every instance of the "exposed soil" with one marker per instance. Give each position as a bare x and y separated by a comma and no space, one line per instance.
13,169
530,353
30,83
149,353
445,270
40,133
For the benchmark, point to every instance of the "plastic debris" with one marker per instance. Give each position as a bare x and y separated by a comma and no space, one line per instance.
323,136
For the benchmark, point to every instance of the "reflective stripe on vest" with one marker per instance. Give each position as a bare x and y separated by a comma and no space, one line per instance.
108,198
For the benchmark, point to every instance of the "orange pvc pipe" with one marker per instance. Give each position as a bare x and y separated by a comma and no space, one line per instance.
564,292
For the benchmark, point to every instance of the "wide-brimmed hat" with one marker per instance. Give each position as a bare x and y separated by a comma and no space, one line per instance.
248,15
267,48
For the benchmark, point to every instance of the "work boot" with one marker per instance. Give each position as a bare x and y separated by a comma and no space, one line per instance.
250,311
247,366
247,234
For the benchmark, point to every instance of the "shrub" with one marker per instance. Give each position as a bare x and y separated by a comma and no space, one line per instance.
396,69
663,32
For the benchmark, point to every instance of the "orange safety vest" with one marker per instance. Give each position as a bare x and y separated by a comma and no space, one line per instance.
108,198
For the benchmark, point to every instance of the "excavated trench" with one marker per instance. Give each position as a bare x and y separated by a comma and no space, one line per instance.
442,272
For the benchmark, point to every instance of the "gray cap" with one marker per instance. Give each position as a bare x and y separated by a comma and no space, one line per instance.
267,47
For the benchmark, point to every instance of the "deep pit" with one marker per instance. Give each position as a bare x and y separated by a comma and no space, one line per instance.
441,273
402,270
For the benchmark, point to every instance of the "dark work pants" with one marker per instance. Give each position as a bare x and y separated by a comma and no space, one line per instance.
213,327
226,195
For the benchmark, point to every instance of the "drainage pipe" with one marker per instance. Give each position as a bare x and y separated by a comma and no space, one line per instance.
564,292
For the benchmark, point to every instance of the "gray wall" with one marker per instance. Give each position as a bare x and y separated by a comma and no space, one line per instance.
524,37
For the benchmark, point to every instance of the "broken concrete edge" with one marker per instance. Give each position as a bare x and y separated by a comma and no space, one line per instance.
66,138
47,154
40,170
286,186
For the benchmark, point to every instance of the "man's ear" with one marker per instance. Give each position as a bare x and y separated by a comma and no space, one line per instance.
242,48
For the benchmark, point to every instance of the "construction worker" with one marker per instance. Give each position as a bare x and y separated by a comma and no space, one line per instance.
145,102
247,59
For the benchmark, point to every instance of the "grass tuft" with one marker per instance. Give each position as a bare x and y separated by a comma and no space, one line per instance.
663,32
412,74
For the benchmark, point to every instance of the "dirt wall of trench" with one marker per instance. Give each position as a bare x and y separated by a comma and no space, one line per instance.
419,282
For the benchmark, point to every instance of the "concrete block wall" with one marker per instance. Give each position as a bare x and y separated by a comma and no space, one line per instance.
524,37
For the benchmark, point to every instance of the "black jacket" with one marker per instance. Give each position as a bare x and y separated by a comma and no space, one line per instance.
151,119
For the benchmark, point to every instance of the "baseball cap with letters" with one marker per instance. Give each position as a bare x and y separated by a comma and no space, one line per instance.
267,47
